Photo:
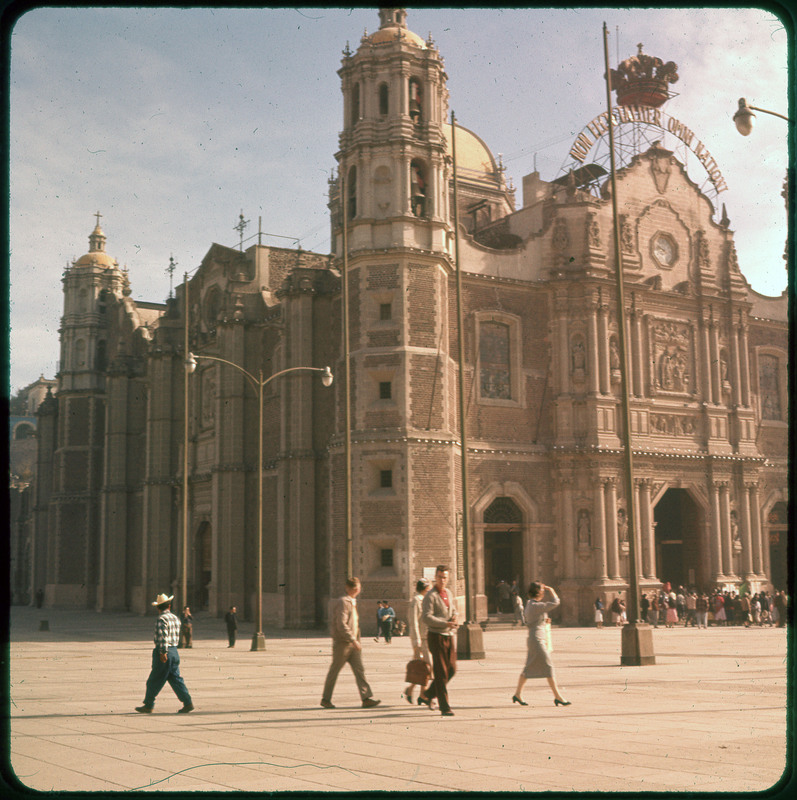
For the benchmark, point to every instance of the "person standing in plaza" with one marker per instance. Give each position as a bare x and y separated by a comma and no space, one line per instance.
231,620
440,617
386,616
701,610
165,660
344,626
186,628
417,631
538,660
598,612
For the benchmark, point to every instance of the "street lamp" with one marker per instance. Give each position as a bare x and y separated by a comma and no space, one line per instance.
258,639
744,116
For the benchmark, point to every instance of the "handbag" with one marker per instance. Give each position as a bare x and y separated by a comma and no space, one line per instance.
418,671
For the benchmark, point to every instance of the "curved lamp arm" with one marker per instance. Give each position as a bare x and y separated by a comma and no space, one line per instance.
326,378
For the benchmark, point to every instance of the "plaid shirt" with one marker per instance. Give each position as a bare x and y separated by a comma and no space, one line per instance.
167,631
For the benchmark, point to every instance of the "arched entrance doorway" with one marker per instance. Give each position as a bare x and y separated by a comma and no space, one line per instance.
778,522
503,550
679,560
203,564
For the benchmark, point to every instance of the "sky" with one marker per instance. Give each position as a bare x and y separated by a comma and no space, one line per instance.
171,122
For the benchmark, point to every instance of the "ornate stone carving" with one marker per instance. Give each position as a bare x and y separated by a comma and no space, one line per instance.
672,355
626,234
673,424
208,396
578,357
661,166
561,238
593,232
584,528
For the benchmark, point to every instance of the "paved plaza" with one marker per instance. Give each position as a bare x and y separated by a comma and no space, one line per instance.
709,716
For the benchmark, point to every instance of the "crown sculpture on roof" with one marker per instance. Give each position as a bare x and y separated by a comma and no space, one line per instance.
641,80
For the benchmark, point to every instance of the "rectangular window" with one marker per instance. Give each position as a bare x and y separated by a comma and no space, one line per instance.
385,311
386,478
385,390
494,359
386,557
769,382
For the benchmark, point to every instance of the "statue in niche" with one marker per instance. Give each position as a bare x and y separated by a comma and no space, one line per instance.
666,370
593,232
560,236
584,532
724,370
614,354
735,536
622,525
626,235
578,356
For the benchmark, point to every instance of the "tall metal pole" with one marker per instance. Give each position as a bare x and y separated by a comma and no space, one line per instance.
184,559
346,375
469,637
637,645
258,638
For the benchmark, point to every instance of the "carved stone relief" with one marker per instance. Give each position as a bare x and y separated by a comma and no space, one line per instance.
672,356
673,424
208,410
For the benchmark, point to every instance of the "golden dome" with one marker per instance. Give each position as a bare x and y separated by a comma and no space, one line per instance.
473,154
390,34
96,258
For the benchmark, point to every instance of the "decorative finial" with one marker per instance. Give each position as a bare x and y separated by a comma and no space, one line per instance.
240,227
170,269
639,46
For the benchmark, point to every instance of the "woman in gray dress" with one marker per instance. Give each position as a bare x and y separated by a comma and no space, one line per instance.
538,663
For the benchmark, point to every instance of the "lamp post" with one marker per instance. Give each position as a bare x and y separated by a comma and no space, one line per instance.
259,383
744,116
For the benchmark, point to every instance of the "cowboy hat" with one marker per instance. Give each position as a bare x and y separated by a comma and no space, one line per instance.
161,599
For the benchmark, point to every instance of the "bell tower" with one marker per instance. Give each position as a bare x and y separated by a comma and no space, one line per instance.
392,158
392,191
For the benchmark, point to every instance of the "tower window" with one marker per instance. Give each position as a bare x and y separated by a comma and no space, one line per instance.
351,193
384,98
385,478
386,557
355,104
385,311
416,101
385,390
418,189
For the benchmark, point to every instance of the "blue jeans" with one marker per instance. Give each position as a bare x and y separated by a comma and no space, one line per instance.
161,673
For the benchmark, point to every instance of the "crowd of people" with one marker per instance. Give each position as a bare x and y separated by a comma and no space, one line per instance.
669,607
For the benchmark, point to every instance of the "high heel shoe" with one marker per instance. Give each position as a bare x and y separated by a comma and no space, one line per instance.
558,702
516,699
425,701
407,696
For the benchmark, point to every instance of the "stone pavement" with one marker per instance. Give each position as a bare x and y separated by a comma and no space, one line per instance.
710,716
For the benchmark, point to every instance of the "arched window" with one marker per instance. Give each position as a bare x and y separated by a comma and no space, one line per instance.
503,510
351,194
24,431
355,105
416,101
101,358
384,99
418,197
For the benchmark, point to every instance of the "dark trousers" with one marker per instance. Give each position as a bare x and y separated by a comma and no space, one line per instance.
161,673
444,666
386,628
231,636
185,636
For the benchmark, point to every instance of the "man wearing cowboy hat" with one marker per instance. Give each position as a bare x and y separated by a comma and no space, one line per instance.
166,659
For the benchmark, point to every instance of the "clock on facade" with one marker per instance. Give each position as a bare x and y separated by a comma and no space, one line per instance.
663,250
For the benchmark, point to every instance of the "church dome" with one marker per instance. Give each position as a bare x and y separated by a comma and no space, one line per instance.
96,257
393,27
473,155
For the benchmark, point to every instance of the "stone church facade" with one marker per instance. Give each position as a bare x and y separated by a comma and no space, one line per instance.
706,365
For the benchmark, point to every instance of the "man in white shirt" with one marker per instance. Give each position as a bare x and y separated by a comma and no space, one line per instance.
440,617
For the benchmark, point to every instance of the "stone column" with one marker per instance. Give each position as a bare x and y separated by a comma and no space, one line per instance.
612,544
569,527
747,539
636,351
716,377
646,529
564,352
725,530
600,532
603,349
736,379
706,357
744,358
716,537
592,350
755,528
